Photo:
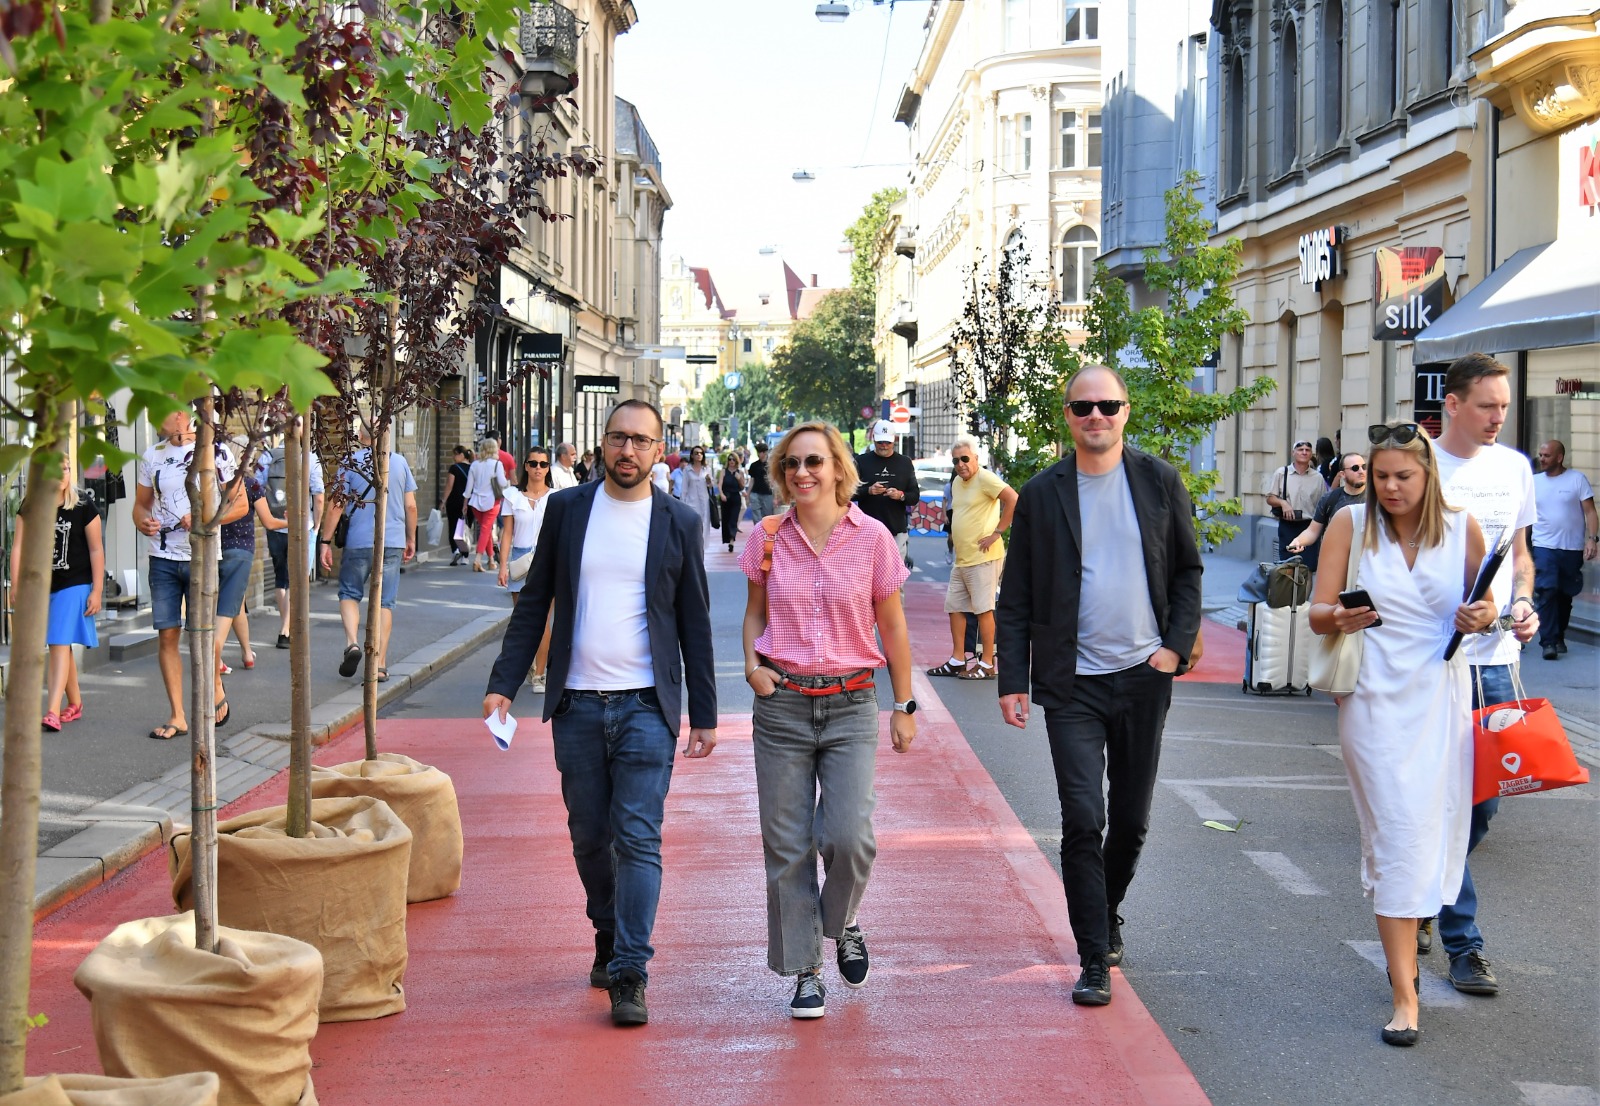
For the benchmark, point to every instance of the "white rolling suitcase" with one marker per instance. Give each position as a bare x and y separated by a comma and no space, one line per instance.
1278,653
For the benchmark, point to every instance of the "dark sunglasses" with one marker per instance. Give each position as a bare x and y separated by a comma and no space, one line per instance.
813,462
960,460
1107,407
531,463
1403,434
1355,468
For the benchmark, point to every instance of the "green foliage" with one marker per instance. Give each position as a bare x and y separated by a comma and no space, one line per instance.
759,407
1009,358
863,238
1157,349
826,369
36,1021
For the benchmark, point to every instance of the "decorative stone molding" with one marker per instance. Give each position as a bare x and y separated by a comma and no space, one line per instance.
1546,71
1559,96
1040,90
944,237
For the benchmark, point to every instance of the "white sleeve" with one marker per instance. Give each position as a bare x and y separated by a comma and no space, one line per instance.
1529,514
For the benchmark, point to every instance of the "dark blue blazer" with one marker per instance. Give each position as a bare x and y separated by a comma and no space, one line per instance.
678,606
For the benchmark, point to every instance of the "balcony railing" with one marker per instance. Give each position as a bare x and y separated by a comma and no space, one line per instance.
1072,314
549,40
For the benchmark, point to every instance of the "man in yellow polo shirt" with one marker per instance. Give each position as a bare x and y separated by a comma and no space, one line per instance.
980,512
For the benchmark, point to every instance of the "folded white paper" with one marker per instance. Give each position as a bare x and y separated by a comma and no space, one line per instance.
503,730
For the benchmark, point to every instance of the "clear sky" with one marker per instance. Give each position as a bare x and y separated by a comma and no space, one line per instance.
738,94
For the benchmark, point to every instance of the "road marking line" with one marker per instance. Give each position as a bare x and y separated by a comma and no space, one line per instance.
1555,1094
1435,991
1288,875
1288,783
1217,740
1205,807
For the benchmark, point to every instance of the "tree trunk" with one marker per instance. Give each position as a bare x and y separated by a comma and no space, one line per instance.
380,513
23,773
204,545
297,458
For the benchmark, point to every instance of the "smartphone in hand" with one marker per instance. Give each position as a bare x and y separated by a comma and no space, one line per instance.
1358,598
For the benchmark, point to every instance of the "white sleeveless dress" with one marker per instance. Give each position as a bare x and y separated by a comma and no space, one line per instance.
1406,731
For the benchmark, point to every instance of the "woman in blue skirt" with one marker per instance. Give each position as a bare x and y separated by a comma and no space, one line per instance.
77,581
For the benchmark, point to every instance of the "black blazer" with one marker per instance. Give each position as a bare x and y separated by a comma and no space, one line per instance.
1036,617
678,606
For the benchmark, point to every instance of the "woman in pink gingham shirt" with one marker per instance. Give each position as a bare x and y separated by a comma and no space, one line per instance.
809,650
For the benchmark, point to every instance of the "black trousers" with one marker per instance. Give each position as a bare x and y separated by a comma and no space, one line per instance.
731,510
1110,729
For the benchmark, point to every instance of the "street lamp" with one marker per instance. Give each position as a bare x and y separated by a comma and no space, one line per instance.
833,13
803,175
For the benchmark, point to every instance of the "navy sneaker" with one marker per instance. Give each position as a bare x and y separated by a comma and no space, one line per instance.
599,973
809,995
852,955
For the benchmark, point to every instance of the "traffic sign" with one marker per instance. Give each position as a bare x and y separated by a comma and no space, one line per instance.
866,412
900,414
731,381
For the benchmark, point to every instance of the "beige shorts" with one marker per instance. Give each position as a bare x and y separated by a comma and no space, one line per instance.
973,588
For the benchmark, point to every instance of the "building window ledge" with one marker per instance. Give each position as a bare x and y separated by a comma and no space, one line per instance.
1233,200
1383,130
1336,152
1295,175
1440,96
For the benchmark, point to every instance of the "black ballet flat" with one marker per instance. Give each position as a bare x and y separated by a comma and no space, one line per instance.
1401,1038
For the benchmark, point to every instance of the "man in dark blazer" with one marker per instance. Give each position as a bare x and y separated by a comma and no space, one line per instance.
624,567
1101,606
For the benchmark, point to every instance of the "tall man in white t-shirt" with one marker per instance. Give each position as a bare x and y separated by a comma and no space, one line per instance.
624,566
1566,534
1495,483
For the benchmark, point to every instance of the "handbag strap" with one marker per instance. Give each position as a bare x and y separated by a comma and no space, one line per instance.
1358,524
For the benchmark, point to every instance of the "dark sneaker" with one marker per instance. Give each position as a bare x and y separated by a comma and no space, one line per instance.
852,954
1094,982
1425,937
627,999
809,995
283,641
1470,974
599,974
1114,951
1550,653
1561,647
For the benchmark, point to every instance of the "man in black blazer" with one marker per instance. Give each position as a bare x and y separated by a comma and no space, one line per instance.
1101,605
624,566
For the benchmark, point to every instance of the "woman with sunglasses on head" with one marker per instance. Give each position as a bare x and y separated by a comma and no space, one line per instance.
1406,730
830,576
524,506
732,497
694,484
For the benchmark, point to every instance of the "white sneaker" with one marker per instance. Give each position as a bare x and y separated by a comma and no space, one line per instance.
536,683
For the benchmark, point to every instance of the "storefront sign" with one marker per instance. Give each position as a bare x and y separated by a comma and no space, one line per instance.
1566,387
1320,255
539,347
1409,286
1427,399
597,385
1589,174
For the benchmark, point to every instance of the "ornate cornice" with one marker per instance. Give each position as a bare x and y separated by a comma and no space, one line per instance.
1547,72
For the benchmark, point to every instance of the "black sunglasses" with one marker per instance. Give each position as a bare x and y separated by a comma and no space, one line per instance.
1355,468
813,462
1403,434
531,463
1107,407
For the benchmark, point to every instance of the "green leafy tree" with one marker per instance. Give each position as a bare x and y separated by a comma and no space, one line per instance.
863,238
826,369
1158,348
758,404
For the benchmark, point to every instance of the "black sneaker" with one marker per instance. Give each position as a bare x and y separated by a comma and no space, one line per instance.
1114,951
283,641
599,974
627,999
1094,982
1550,653
809,995
852,954
1470,974
1425,937
1561,647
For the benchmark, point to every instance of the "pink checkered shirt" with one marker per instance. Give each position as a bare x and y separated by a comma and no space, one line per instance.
821,611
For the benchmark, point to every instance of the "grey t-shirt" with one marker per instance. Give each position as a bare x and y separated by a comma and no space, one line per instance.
1116,624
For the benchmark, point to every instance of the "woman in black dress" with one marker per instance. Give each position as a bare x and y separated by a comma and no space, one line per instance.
454,498
732,498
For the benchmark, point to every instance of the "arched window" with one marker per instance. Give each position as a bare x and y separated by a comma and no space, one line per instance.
1236,117
1079,248
1331,78
1288,99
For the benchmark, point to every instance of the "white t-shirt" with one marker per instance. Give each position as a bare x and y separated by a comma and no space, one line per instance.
1496,486
1561,499
527,517
562,477
610,632
661,475
164,468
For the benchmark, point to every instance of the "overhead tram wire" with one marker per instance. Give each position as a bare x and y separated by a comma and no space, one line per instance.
877,91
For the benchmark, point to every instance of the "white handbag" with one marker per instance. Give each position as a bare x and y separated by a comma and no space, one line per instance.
518,568
1336,657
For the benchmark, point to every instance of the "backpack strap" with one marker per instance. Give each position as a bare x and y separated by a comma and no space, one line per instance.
769,527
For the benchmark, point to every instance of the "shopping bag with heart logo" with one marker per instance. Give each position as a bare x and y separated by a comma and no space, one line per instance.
1521,747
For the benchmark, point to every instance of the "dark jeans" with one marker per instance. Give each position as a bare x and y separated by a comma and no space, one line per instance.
614,752
1111,728
1287,532
1458,924
1557,577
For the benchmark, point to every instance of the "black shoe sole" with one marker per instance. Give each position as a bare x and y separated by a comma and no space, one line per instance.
599,978
351,661
1091,998
630,1015
1487,990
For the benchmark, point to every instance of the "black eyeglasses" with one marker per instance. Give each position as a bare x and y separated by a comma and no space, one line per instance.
1107,407
616,439
1403,434
813,462
531,463
960,460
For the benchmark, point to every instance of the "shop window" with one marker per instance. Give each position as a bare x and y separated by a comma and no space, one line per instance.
1079,248
1080,22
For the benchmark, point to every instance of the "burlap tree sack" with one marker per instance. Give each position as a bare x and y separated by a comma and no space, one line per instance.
163,1008
342,889
425,800
195,1089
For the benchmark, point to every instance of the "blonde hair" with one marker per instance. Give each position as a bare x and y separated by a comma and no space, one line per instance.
843,463
69,482
1431,525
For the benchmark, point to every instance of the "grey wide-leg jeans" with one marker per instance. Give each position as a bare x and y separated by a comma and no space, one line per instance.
815,761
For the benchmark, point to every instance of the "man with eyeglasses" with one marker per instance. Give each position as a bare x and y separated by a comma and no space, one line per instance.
1495,483
1353,467
980,512
1293,493
624,567
1100,610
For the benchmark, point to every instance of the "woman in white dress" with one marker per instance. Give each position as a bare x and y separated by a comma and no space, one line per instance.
524,506
695,480
1406,730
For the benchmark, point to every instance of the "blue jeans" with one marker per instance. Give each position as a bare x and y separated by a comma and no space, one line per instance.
1557,577
233,575
355,570
614,752
1458,923
169,592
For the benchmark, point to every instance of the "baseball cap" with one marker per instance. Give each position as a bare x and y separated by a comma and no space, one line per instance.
883,431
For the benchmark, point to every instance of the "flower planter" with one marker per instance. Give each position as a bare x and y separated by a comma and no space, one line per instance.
163,1008
425,800
341,889
194,1089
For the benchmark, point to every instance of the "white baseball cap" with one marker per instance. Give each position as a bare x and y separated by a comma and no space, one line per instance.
883,431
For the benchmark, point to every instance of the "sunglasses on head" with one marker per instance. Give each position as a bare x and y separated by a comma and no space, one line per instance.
1107,407
1302,445
813,462
1403,434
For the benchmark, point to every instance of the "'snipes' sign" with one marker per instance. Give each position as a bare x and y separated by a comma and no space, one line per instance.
1320,255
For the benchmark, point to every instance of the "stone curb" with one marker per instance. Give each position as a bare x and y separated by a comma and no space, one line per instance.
128,826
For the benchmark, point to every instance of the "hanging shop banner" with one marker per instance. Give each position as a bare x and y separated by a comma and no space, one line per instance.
598,385
1409,288
539,347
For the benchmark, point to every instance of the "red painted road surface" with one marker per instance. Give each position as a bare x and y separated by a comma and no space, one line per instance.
968,1001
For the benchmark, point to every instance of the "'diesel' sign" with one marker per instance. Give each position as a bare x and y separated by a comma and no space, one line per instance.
1321,255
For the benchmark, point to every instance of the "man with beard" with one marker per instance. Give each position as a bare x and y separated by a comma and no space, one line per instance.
623,565
1353,466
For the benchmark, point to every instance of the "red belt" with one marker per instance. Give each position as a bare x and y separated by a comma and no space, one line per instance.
856,681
